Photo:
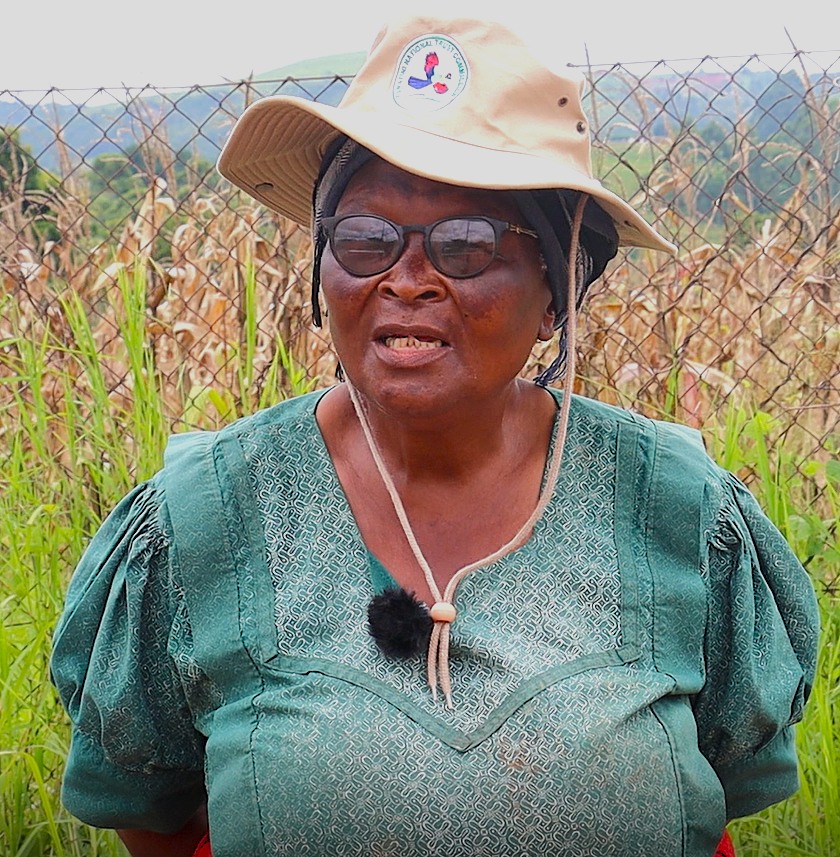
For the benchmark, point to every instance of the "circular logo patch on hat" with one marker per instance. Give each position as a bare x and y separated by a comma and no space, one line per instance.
431,73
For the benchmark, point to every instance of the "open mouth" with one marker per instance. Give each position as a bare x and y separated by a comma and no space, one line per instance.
398,342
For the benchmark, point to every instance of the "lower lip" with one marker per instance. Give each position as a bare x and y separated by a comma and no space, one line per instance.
408,357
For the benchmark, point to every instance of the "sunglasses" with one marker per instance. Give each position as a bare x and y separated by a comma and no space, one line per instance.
459,247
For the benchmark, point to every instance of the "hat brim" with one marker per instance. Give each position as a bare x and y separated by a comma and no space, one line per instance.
275,150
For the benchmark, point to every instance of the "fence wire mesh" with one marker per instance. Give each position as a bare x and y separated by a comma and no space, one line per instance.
110,205
140,293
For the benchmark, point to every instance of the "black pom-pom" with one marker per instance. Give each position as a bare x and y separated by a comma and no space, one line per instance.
400,624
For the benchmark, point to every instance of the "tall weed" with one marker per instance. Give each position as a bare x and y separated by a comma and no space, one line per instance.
72,442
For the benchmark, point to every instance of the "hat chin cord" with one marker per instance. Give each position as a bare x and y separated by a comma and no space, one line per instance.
443,611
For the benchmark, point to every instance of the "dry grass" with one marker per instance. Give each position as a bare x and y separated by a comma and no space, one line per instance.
229,286
226,291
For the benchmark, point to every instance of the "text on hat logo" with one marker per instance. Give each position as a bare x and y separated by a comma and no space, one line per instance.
431,73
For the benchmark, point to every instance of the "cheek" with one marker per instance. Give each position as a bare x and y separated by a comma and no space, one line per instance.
521,306
338,288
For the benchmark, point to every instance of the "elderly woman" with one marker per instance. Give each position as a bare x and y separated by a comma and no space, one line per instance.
436,609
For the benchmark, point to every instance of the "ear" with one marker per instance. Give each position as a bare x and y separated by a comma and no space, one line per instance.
546,331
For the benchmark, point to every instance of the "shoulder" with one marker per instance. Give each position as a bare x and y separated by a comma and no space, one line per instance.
187,449
591,415
210,477
593,412
672,434
291,412
671,472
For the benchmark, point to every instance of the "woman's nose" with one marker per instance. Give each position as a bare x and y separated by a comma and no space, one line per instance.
413,277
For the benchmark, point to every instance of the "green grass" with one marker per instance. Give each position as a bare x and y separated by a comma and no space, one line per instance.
67,455
808,824
803,500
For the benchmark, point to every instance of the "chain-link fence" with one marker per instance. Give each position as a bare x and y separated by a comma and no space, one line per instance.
140,293
106,193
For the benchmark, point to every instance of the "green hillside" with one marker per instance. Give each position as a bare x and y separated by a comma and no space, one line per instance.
330,66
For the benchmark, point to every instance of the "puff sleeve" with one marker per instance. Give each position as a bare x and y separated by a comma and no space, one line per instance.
136,759
760,654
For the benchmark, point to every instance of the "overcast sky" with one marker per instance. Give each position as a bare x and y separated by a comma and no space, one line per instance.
93,43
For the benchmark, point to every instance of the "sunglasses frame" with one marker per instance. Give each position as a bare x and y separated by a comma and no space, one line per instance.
329,224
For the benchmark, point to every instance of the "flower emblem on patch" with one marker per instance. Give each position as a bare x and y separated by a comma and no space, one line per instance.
431,73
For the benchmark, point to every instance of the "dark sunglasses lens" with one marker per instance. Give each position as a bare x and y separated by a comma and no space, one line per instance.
462,247
365,245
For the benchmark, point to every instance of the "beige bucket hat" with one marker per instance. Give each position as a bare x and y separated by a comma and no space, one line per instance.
460,101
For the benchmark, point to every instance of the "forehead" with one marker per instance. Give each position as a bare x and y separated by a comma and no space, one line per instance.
380,187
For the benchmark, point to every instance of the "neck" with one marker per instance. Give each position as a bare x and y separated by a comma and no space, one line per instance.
454,444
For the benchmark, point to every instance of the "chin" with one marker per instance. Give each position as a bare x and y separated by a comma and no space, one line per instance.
396,395
417,400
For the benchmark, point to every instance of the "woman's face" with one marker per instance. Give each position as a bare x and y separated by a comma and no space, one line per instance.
416,340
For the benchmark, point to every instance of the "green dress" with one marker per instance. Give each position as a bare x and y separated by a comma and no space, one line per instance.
623,683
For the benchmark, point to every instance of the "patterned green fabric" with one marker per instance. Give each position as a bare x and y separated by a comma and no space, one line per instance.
624,682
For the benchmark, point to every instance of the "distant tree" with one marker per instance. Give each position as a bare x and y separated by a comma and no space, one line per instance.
117,185
119,181
26,188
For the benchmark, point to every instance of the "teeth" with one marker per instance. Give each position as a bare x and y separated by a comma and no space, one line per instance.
411,342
